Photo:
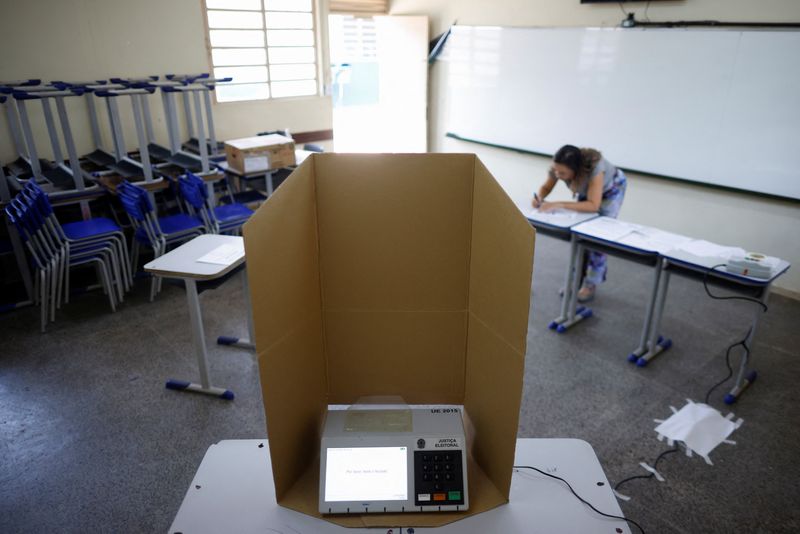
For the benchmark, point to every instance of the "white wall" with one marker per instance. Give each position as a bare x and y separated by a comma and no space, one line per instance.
755,223
99,39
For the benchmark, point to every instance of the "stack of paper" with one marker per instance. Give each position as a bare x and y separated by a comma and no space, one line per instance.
706,249
646,238
607,228
223,255
553,215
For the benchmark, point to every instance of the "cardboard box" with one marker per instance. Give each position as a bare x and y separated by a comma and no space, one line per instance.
260,153
390,274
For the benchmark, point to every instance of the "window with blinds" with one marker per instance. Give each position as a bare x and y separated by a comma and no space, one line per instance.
268,47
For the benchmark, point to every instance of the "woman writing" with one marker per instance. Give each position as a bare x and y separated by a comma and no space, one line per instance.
597,187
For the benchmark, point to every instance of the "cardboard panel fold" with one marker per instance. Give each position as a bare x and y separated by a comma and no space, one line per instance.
501,262
492,399
281,243
283,274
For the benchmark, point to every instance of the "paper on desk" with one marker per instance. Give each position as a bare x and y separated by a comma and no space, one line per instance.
553,216
699,426
223,255
607,228
706,249
654,239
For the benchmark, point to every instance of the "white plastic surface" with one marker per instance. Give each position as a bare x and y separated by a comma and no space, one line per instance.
233,492
182,262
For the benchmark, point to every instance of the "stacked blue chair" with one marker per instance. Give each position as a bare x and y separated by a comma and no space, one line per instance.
152,231
81,234
225,219
53,256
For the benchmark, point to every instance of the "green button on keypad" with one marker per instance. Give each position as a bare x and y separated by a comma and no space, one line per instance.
453,495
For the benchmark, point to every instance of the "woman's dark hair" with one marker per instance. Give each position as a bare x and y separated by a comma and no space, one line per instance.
570,155
581,161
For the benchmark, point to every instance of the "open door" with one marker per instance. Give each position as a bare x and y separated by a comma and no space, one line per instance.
380,83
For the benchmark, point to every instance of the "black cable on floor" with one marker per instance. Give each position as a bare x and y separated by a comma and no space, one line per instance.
742,342
584,501
655,467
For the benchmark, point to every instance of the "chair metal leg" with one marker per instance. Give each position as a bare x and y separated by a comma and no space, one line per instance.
53,289
42,282
134,256
107,283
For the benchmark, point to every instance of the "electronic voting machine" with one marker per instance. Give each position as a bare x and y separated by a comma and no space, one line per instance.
393,460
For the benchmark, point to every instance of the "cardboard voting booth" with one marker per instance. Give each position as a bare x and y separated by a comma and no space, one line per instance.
390,274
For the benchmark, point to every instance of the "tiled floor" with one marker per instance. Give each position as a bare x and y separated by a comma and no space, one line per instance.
90,441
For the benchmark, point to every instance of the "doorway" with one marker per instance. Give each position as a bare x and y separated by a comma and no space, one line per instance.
379,75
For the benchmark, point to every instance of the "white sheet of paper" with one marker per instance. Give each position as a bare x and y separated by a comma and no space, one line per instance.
706,249
559,217
699,426
607,228
223,255
654,239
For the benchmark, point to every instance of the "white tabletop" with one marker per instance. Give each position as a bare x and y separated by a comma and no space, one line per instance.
233,492
704,263
182,262
675,248
614,232
563,219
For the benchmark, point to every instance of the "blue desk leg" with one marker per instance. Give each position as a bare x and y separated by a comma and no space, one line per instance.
574,313
200,348
656,344
237,342
745,379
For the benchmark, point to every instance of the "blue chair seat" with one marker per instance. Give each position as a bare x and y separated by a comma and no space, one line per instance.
93,227
232,212
173,224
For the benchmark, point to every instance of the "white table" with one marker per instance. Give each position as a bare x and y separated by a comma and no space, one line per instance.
182,263
662,250
233,492
559,225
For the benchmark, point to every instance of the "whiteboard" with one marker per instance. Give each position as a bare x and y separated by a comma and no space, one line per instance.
719,107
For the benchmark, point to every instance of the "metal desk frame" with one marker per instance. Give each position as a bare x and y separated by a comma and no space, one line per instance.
181,263
651,342
669,264
570,313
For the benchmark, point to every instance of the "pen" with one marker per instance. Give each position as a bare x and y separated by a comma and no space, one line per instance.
536,197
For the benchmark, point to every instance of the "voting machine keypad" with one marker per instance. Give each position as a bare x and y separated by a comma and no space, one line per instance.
438,479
